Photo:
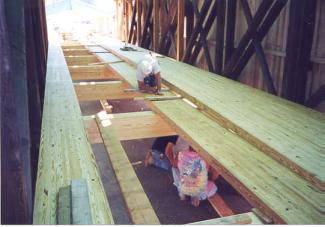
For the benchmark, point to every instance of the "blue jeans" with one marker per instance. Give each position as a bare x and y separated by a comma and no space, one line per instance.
160,160
150,80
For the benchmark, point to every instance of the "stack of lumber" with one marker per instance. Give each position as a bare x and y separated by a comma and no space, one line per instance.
271,150
65,153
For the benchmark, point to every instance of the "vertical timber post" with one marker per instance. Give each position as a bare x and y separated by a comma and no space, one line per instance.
180,29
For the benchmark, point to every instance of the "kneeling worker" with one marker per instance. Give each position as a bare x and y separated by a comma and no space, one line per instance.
148,75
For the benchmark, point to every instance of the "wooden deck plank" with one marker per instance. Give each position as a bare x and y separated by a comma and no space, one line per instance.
95,72
292,134
81,60
81,213
96,49
65,152
75,52
264,182
108,57
111,90
138,204
64,206
239,219
138,125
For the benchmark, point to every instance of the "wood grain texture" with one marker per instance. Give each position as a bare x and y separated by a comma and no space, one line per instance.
95,72
81,60
139,125
239,219
264,182
75,52
65,152
64,206
112,90
292,134
81,213
138,204
220,205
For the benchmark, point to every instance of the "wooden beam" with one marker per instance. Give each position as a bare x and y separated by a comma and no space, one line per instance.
220,32
230,29
139,20
76,52
180,28
65,152
156,26
81,60
136,200
93,72
299,45
220,205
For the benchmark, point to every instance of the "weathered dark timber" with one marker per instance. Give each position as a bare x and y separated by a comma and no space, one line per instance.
251,31
168,35
299,44
202,37
316,98
132,31
220,36
230,29
144,38
261,33
197,29
189,15
259,51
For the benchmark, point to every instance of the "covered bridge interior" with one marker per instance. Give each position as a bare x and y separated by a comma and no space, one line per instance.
243,84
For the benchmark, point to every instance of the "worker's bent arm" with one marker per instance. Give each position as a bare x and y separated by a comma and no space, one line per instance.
145,88
158,81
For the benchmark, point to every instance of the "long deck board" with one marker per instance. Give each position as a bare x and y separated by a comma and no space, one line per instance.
138,204
290,133
240,219
65,152
264,182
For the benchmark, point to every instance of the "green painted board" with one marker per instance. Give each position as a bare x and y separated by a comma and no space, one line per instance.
290,133
261,179
81,213
64,206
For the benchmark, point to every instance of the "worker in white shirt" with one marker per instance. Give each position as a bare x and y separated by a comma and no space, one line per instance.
148,75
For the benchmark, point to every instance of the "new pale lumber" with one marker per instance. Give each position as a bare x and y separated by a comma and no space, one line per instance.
75,52
93,72
139,125
111,90
65,152
264,182
290,133
137,202
239,219
81,60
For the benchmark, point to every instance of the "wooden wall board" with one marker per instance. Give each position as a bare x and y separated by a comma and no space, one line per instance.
264,182
136,125
81,60
65,152
138,204
112,90
75,52
220,205
290,133
239,219
95,72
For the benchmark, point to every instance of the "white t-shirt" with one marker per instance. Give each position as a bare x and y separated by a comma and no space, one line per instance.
155,67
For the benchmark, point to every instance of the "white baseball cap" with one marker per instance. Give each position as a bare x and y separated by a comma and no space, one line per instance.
146,67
